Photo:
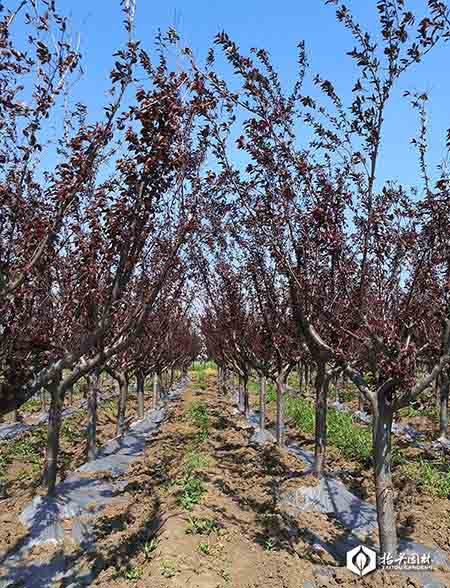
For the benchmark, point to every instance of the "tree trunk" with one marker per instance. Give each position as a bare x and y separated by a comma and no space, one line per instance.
443,405
93,381
382,427
162,383
140,381
43,400
306,378
241,393
262,403
71,395
155,390
281,387
224,380
246,396
54,427
300,376
122,406
321,420
219,380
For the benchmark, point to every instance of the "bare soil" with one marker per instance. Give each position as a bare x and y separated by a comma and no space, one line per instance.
24,459
255,540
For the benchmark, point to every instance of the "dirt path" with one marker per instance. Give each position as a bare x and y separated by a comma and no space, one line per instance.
237,534
234,534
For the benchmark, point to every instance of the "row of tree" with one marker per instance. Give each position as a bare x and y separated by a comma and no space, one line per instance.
95,218
267,201
321,260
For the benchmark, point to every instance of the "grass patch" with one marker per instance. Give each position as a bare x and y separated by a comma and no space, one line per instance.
417,411
353,441
71,431
133,574
198,415
192,486
434,477
200,366
28,450
149,548
271,393
193,490
345,394
31,405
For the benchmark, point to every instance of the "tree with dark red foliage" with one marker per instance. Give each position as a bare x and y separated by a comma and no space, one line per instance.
149,204
342,238
36,79
95,237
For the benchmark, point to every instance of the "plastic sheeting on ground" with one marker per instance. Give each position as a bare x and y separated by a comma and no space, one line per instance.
359,518
15,430
71,513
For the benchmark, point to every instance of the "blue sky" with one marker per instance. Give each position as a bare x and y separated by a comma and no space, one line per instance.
277,26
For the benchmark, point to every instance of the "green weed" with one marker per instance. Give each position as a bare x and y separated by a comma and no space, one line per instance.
414,411
198,415
433,477
194,461
149,548
133,574
168,568
271,394
203,547
269,544
201,366
192,492
197,526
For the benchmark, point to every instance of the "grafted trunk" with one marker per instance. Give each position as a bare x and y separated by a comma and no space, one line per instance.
262,403
382,433
54,427
93,382
443,405
281,388
140,381
321,421
122,405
